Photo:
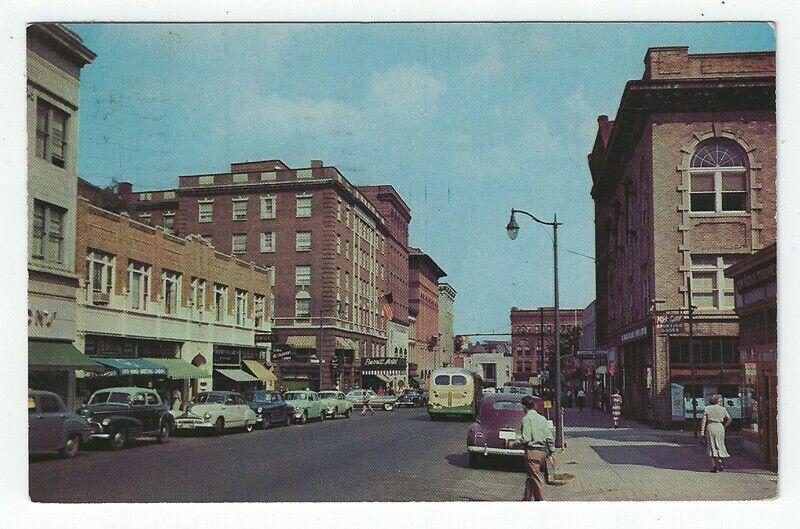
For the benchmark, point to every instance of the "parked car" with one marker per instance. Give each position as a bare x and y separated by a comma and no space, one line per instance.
334,403
118,415
270,408
496,427
411,398
53,428
216,411
387,402
489,391
306,405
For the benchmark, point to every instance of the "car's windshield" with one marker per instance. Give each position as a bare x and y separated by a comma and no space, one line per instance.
507,405
327,395
110,396
210,398
296,395
262,397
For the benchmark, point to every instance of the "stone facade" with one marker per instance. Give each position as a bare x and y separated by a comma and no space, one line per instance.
447,298
684,185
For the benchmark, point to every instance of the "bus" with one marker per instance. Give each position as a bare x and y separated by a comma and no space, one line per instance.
454,391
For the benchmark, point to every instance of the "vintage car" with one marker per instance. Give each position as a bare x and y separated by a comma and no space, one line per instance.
117,415
216,411
387,402
411,398
306,405
270,408
496,427
53,428
334,403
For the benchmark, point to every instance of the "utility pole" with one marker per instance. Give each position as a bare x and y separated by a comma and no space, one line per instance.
541,339
559,419
695,396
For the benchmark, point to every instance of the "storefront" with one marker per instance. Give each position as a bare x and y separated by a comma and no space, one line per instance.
343,365
387,372
228,369
636,374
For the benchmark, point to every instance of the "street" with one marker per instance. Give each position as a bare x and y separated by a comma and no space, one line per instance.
393,456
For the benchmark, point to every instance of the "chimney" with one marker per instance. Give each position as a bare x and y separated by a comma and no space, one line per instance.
316,169
124,189
316,164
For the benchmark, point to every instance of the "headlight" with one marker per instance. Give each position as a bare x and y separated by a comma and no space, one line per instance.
106,422
207,416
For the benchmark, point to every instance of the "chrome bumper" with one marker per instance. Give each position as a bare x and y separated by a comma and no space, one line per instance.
488,450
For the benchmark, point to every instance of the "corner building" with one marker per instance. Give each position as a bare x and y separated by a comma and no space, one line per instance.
683,186
324,242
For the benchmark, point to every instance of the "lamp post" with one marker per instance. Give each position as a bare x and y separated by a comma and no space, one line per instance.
513,230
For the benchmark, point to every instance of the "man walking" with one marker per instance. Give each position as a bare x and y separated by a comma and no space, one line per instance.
538,443
581,398
366,404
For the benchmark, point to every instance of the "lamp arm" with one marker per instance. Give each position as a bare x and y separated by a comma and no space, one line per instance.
534,218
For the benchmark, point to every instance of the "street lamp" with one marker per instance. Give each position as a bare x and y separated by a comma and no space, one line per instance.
513,230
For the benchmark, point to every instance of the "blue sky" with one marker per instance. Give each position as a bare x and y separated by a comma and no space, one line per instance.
464,120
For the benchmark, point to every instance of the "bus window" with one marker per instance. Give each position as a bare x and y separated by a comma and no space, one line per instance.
443,380
459,380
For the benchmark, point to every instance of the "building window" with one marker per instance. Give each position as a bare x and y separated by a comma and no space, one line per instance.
302,305
258,311
339,244
199,293
240,209
268,176
271,271
710,288
303,205
268,207
240,178
145,218
241,307
303,241
208,239
168,222
170,290
338,277
347,216
99,276
302,275
51,133
718,176
338,209
267,242
220,301
346,281
138,284
347,249
48,232
239,243
205,211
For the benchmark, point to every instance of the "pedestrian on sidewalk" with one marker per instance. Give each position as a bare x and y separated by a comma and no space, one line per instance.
366,404
616,408
715,419
581,398
538,443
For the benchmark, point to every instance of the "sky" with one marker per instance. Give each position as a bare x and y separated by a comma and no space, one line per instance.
466,121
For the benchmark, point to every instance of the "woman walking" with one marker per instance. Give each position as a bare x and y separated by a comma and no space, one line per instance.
715,419
616,408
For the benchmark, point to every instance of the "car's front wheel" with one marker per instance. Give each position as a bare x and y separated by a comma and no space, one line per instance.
388,406
347,413
248,427
72,446
219,426
163,433
118,440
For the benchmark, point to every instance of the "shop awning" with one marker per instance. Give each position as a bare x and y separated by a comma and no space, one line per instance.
346,343
302,342
261,372
59,355
133,366
237,375
178,369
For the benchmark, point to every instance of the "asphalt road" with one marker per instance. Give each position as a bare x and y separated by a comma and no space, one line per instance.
391,456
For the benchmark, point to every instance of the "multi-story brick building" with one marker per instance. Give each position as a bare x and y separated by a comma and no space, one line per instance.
423,286
684,186
323,240
55,56
532,337
176,309
447,299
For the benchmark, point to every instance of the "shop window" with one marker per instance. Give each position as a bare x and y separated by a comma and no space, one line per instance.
718,177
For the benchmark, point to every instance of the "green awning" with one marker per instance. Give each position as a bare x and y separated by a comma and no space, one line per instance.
178,369
133,366
237,375
58,355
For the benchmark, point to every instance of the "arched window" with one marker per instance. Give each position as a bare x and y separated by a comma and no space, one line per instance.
302,305
718,177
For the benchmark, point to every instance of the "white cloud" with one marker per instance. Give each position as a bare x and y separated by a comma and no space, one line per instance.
409,89
299,115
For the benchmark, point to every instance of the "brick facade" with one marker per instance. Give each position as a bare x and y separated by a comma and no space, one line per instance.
668,134
423,285
532,337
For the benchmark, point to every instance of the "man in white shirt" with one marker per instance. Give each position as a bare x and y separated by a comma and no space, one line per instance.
538,441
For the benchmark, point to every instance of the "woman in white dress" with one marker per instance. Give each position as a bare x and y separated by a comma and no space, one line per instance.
715,419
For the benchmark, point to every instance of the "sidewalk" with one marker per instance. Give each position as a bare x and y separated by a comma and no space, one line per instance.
637,462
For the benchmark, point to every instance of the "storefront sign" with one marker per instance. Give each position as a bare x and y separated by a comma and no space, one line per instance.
384,363
669,324
634,334
227,358
52,319
750,373
265,337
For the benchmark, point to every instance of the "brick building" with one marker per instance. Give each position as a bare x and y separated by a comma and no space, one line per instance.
447,299
55,57
149,301
423,286
532,337
684,186
756,286
323,240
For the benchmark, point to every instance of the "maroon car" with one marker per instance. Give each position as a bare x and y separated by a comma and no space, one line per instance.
497,426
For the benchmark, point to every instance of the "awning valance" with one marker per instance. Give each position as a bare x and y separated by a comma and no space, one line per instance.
237,375
261,372
133,366
302,342
346,343
178,369
58,355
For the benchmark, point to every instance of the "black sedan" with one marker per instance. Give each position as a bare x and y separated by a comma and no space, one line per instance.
410,399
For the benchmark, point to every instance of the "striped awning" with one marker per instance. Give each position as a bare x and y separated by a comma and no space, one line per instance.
261,372
178,369
237,375
302,342
346,343
133,366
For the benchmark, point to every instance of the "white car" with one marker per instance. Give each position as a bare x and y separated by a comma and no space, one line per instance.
216,411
